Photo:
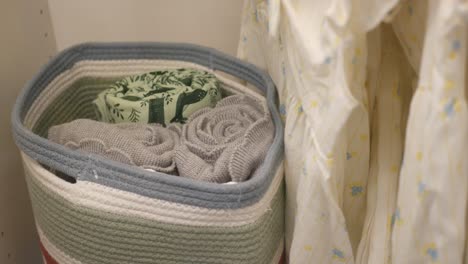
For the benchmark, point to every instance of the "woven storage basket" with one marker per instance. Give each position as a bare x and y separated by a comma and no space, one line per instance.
93,210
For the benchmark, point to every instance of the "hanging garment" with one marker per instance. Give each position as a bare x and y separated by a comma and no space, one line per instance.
430,218
158,97
318,62
390,86
347,75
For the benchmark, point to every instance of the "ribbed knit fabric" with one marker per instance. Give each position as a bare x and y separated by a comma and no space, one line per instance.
226,143
149,146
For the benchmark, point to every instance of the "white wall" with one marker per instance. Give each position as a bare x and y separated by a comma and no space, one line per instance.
26,42
213,23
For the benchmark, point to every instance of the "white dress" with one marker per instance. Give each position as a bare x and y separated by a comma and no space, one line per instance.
347,77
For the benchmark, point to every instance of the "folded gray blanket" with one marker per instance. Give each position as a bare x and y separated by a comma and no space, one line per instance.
225,143
222,144
149,146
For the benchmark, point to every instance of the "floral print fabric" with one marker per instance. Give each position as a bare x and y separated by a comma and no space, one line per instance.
430,216
372,94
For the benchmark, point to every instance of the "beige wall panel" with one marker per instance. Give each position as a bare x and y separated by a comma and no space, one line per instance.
213,23
26,42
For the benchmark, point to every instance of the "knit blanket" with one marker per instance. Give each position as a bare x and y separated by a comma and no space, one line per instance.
158,97
225,143
222,144
149,146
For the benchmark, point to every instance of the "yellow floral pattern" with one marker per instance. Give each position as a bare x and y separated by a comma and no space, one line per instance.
434,177
375,125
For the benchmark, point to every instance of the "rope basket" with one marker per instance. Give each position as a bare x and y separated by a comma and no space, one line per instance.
89,209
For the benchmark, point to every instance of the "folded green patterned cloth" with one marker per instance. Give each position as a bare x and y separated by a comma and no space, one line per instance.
158,97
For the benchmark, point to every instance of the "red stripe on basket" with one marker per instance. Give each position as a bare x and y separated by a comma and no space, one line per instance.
48,258
281,261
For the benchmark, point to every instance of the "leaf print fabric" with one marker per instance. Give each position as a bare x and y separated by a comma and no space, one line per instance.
158,97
